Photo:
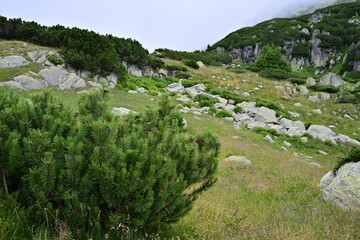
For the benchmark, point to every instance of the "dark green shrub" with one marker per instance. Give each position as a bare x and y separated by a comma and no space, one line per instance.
155,62
298,81
263,131
352,156
182,75
95,171
348,96
275,74
189,83
191,63
237,69
271,58
175,68
325,88
353,76
212,110
237,109
54,59
205,101
223,114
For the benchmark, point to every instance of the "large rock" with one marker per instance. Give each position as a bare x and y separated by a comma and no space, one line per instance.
132,69
321,132
13,61
39,56
72,80
175,87
331,79
246,106
303,90
54,75
12,84
347,140
311,81
264,115
293,128
343,189
31,81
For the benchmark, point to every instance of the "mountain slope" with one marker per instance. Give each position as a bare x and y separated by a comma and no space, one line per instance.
325,39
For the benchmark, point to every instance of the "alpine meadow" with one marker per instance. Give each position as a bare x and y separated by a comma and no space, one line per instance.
255,137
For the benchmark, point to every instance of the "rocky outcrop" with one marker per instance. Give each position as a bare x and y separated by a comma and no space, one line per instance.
331,79
247,54
343,188
13,61
320,56
31,81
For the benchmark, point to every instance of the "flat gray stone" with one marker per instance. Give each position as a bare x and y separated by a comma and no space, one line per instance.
13,61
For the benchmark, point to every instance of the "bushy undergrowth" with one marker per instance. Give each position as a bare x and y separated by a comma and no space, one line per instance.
352,156
325,88
101,175
298,81
205,101
80,48
154,85
191,63
349,96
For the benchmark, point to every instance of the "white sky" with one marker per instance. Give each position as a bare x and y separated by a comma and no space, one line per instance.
180,25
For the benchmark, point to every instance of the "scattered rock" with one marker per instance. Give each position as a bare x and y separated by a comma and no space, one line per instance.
314,164
268,139
239,159
318,111
122,111
298,105
287,144
314,99
321,132
303,90
323,153
311,81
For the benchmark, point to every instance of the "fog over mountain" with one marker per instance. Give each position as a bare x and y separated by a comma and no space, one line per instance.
181,25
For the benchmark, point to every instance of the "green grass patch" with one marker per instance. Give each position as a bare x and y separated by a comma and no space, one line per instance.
7,74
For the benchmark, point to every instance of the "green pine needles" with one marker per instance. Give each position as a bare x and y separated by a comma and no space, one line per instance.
101,175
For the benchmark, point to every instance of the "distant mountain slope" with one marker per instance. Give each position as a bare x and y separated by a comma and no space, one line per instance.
306,9
327,39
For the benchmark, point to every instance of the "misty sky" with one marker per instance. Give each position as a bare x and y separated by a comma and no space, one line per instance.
181,25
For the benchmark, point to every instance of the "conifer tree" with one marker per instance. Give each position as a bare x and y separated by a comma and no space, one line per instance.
101,173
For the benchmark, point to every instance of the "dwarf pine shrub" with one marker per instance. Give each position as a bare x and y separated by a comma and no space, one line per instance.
99,173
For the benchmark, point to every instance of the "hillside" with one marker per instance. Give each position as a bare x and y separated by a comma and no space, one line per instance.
276,196
326,40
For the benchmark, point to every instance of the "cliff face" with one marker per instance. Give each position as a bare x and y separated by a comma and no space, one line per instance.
322,39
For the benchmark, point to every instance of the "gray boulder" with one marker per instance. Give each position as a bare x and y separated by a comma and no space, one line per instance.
30,81
331,79
343,189
13,61
346,140
12,84
303,90
54,75
314,99
321,132
311,81
264,115
268,139
175,87
69,82
239,159
246,106
122,111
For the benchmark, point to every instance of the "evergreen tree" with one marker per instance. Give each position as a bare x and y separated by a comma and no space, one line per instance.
271,57
99,173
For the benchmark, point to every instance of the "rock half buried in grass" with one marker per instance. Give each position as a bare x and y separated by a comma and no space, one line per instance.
239,159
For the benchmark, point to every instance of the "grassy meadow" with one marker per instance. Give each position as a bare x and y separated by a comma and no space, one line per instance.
277,196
